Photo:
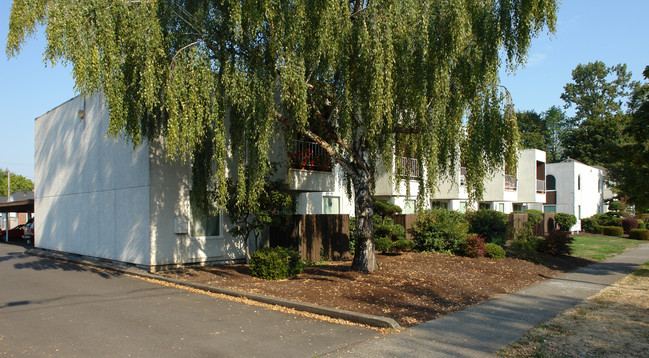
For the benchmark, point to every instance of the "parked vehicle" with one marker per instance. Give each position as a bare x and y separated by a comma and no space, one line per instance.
28,232
15,233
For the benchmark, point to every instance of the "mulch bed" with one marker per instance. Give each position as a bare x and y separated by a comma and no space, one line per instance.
410,287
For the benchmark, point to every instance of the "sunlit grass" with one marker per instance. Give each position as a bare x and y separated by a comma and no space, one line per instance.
602,247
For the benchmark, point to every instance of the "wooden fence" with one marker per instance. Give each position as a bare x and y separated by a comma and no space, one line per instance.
405,220
517,221
315,237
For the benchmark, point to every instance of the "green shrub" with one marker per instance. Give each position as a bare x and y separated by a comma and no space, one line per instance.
590,225
473,246
494,251
639,234
385,208
534,216
641,225
629,224
644,217
403,245
275,263
490,224
525,245
382,244
565,221
616,206
385,227
556,243
612,231
439,230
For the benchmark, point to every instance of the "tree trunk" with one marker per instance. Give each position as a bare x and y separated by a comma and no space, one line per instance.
364,255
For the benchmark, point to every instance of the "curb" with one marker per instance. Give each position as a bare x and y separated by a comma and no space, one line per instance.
360,318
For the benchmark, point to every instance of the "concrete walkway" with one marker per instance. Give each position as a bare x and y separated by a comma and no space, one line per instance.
483,329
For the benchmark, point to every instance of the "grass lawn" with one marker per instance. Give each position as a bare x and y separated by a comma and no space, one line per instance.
599,247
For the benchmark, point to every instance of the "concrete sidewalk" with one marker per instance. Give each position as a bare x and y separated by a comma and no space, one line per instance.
483,329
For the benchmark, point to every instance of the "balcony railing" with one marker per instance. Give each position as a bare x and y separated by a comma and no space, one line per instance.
407,167
510,182
540,186
310,156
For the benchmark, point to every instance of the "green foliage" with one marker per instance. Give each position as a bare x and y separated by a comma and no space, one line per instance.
385,208
473,246
385,227
639,234
490,224
591,225
641,225
275,263
612,231
556,243
352,238
18,183
494,251
525,245
616,206
383,244
249,217
565,221
599,119
439,230
347,75
534,216
403,245
533,130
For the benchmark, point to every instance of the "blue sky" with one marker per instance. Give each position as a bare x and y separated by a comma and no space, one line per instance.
588,30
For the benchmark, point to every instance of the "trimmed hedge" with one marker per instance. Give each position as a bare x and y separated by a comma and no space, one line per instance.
275,263
639,234
612,231
565,221
494,251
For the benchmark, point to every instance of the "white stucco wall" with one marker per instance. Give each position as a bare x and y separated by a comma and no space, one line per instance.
527,176
578,189
91,192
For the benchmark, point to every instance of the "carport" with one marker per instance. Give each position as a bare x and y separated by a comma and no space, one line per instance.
20,206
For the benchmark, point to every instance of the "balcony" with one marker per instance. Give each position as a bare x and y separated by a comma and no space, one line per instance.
510,182
407,167
310,156
540,186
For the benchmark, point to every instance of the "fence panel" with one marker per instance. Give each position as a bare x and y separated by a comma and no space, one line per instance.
315,237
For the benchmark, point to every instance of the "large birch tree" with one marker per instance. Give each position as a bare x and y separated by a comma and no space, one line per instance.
364,79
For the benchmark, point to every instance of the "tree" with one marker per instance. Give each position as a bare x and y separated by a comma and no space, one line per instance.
556,124
533,130
348,75
599,115
276,199
629,172
18,183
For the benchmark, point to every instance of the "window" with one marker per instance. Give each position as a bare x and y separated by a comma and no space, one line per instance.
579,212
409,206
550,208
484,206
550,183
330,205
463,206
518,207
501,207
439,204
202,226
578,182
